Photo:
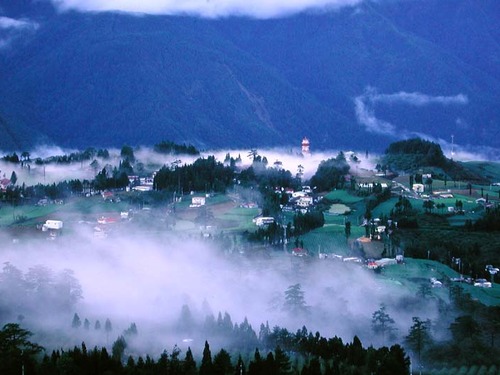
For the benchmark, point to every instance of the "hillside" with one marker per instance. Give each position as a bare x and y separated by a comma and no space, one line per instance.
377,72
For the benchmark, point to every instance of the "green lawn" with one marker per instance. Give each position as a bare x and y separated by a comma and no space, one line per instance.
415,272
330,239
344,196
490,170
72,207
385,207
9,214
242,218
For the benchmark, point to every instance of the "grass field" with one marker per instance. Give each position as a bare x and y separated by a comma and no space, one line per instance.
242,217
344,196
10,215
415,272
490,170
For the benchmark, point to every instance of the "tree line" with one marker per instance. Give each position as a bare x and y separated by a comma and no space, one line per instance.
312,355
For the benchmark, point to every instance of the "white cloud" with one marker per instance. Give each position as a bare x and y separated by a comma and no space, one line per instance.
10,28
366,116
364,106
206,8
419,99
11,23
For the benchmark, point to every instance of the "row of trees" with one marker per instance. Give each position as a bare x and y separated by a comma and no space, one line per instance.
318,356
89,154
205,174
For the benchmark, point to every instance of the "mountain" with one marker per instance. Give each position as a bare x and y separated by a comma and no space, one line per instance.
358,77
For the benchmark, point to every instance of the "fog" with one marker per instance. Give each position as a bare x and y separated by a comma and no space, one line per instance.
143,275
148,161
146,279
291,158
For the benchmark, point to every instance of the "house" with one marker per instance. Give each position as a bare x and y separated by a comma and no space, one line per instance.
198,201
305,202
299,252
263,220
103,220
107,195
4,183
482,283
435,283
386,262
481,201
299,194
143,188
52,225
418,188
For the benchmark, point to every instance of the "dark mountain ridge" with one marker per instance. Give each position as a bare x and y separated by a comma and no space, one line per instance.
106,79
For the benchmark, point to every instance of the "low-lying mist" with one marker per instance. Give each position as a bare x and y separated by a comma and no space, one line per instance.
149,281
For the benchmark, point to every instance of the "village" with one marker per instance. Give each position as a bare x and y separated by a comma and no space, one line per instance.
110,212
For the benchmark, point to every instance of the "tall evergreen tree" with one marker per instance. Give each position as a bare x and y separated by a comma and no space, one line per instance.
419,337
222,363
76,323
118,349
382,323
189,365
206,367
282,362
294,300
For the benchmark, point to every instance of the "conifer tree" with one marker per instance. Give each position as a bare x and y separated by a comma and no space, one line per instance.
189,365
206,367
76,323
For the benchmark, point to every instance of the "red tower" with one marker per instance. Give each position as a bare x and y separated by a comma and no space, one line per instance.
305,146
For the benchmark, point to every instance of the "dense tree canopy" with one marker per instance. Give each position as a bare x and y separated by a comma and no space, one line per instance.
331,173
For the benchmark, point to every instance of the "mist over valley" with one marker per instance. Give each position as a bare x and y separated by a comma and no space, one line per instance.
273,187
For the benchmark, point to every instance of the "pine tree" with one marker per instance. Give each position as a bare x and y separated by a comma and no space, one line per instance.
222,363
189,365
240,367
294,300
76,321
118,348
282,362
206,367
256,366
382,323
419,337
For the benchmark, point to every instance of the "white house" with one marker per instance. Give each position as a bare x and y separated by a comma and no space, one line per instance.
263,220
418,188
305,201
198,201
52,225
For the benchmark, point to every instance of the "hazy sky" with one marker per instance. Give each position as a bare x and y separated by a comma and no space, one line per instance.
207,8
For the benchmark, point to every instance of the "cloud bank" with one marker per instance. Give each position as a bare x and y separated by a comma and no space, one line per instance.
364,106
11,23
206,8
